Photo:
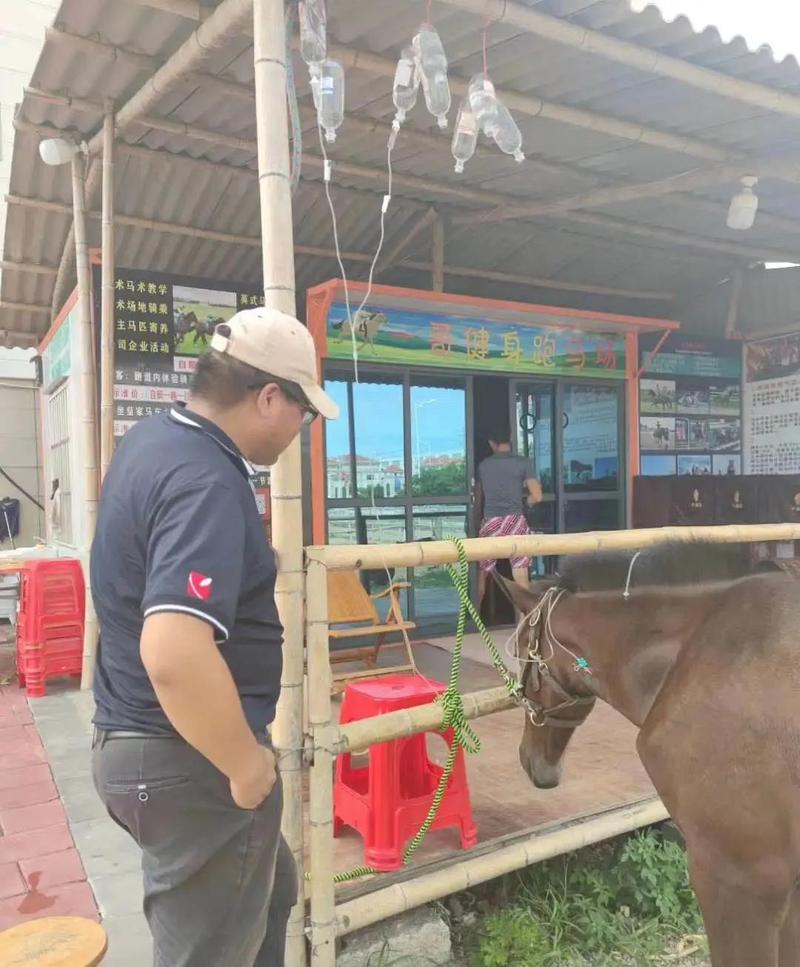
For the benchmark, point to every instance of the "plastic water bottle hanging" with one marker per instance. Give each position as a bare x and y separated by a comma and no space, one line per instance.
465,136
329,97
507,136
406,85
313,33
432,64
483,103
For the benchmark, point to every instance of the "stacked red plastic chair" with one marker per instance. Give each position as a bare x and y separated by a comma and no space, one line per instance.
52,612
387,799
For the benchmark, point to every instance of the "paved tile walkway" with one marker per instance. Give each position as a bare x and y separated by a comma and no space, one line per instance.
59,852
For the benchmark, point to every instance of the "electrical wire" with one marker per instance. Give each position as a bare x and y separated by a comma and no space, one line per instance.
22,490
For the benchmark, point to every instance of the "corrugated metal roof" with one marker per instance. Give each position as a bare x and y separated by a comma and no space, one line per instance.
107,48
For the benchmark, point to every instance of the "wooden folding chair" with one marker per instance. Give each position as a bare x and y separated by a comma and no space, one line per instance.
352,614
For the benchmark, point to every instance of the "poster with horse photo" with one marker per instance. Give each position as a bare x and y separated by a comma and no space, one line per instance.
657,396
657,433
196,313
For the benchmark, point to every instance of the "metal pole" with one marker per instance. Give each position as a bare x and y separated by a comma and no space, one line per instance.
438,255
107,297
87,372
277,249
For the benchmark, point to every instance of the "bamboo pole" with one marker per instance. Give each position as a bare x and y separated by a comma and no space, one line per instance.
88,408
541,845
277,251
358,736
640,58
375,556
437,254
107,298
323,899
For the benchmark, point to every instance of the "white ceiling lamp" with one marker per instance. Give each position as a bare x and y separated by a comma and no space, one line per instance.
744,205
56,151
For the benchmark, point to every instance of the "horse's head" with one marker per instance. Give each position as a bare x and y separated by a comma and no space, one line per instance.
556,696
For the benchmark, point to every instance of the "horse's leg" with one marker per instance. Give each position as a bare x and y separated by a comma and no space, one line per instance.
743,927
790,933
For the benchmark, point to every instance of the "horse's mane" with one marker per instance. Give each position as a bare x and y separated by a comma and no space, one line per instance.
665,564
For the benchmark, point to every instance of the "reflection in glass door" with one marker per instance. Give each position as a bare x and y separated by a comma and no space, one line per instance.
591,434
398,469
577,427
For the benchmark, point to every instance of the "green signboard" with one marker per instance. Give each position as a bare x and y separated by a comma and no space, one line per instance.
385,335
57,357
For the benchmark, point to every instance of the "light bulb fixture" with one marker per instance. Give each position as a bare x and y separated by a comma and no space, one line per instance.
56,151
744,205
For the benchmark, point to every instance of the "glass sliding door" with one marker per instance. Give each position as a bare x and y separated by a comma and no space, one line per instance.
577,427
398,469
593,461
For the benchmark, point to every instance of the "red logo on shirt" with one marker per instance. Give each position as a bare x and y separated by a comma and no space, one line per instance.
199,586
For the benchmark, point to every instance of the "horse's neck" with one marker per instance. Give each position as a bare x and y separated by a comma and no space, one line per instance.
632,645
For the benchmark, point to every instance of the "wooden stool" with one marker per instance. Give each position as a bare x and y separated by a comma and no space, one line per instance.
53,942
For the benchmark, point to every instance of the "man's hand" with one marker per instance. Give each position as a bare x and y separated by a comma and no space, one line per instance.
252,788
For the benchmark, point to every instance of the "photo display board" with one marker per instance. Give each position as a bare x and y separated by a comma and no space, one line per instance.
772,405
690,408
162,323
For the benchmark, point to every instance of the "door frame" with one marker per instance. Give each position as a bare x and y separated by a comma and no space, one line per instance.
558,386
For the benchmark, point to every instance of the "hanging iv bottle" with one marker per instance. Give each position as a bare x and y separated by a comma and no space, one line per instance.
507,135
483,102
313,31
406,85
432,62
465,136
330,97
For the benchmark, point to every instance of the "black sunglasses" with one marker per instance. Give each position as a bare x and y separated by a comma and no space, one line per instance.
293,392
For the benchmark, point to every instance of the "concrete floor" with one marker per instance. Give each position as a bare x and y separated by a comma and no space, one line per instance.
603,770
111,859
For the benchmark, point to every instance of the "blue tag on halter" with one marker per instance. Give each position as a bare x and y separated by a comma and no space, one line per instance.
581,665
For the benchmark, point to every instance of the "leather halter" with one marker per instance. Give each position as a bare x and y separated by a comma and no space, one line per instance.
537,671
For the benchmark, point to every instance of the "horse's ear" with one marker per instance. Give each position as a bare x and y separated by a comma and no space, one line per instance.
524,599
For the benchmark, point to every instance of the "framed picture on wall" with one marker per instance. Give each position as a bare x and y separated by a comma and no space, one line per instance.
658,465
657,433
694,465
657,396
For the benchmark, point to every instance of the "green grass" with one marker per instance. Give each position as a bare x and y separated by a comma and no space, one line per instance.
624,903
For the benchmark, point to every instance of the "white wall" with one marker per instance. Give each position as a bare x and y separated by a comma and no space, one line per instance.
19,441
22,25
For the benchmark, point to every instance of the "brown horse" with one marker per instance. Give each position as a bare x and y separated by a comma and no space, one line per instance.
700,651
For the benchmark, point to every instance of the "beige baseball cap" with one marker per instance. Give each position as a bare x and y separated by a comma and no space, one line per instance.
277,344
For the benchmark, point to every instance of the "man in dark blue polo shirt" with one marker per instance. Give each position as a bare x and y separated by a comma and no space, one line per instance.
189,663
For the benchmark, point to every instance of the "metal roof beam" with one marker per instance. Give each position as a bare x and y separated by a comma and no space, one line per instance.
34,268
417,186
254,241
24,307
640,58
526,104
685,181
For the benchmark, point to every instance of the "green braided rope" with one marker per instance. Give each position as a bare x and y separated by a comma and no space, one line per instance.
453,708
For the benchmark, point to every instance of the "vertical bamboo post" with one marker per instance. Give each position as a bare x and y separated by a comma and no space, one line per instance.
438,255
277,251
107,297
87,404
323,896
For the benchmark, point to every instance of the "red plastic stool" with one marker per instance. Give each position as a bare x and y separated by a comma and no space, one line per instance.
387,800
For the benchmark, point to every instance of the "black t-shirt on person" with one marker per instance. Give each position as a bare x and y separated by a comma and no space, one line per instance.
178,530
